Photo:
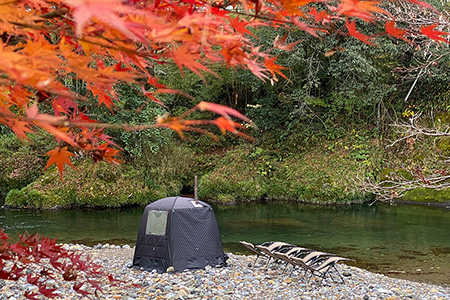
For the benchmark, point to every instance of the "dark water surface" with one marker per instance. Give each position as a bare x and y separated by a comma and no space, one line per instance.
409,242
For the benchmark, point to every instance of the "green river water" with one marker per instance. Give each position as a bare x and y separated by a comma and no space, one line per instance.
411,242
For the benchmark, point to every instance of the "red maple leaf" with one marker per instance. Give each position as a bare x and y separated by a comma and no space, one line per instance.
59,156
434,34
106,11
272,67
279,43
222,110
182,56
64,105
360,9
102,96
20,128
351,26
225,125
321,17
45,121
396,32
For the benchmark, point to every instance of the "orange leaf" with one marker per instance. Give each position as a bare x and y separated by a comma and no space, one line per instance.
106,11
60,156
102,96
321,17
240,25
279,43
183,57
292,6
434,34
45,121
231,126
351,26
269,63
360,9
108,154
173,123
20,128
222,110
396,32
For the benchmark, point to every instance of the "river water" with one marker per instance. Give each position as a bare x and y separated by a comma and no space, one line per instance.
411,242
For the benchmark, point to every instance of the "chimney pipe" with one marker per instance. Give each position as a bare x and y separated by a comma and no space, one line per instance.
196,189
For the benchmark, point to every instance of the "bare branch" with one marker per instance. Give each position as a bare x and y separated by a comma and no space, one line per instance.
413,130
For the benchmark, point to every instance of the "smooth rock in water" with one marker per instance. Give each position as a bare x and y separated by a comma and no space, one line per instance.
126,246
170,270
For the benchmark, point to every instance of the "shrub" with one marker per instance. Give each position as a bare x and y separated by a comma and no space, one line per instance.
91,185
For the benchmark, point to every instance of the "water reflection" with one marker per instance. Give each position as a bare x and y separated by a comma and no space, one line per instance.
404,241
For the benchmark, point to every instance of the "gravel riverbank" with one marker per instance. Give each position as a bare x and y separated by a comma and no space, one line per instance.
237,281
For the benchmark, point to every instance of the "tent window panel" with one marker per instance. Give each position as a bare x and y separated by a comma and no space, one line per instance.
156,222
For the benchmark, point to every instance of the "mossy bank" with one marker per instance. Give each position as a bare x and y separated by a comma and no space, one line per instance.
90,185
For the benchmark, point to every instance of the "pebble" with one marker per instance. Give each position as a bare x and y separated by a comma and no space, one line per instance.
237,281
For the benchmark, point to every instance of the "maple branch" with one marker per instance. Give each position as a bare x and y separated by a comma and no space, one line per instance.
57,13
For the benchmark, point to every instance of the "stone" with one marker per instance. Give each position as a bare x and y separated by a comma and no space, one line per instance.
182,294
288,280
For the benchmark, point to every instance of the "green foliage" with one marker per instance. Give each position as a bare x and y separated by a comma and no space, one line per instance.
170,169
321,176
91,185
21,162
135,109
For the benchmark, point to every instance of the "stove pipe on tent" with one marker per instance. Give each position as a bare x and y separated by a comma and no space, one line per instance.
178,232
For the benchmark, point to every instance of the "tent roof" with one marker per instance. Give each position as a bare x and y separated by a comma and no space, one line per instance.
170,203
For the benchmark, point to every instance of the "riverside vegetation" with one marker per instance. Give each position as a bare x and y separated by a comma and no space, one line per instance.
318,170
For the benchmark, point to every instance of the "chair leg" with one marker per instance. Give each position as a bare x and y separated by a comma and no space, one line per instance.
268,261
339,274
256,260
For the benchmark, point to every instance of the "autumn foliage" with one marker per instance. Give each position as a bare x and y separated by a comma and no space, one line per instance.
38,259
104,42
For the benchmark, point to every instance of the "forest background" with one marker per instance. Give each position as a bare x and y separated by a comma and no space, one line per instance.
326,135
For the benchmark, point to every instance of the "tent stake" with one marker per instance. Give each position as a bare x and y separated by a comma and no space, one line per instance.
196,189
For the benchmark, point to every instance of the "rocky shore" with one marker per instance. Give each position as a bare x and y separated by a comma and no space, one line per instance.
239,280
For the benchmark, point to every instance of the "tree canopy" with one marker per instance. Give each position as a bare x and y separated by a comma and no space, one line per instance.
105,42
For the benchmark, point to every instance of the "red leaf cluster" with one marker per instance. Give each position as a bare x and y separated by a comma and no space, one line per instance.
38,259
